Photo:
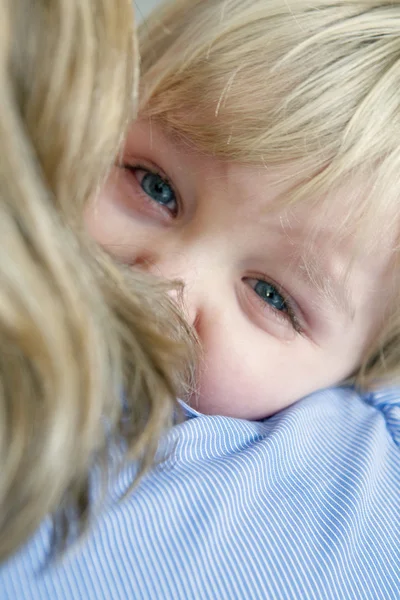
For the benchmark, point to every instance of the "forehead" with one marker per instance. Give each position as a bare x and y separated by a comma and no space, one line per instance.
281,197
314,226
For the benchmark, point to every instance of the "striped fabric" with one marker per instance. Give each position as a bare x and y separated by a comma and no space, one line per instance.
305,505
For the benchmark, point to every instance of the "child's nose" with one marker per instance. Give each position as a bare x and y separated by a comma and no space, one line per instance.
189,305
189,272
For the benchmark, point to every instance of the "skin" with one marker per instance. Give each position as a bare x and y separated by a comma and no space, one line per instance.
266,295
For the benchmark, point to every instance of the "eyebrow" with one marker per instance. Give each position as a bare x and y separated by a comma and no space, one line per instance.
331,288
324,278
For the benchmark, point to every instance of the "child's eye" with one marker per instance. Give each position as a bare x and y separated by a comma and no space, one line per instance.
156,187
270,294
275,302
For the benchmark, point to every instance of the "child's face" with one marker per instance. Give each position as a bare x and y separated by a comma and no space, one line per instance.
269,334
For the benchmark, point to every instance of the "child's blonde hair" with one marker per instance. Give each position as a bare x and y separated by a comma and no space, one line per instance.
77,334
270,82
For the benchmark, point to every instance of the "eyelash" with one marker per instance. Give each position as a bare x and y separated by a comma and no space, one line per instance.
291,313
154,171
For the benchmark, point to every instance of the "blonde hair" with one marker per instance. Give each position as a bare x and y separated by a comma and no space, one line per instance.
89,354
268,82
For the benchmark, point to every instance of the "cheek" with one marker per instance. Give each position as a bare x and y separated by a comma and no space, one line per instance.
248,375
243,381
111,227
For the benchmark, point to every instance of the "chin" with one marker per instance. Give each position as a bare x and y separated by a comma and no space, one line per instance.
217,406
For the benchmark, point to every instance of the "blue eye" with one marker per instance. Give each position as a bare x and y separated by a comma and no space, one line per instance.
159,190
270,295
283,307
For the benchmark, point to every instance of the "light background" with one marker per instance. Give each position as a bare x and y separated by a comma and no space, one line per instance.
144,7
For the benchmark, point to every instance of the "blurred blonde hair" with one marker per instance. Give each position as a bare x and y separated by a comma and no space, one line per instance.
310,82
77,333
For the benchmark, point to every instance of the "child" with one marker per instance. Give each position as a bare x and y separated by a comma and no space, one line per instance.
265,155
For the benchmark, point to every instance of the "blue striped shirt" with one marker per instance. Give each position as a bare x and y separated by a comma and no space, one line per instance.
304,505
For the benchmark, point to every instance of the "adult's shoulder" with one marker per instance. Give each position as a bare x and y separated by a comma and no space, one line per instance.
302,505
312,426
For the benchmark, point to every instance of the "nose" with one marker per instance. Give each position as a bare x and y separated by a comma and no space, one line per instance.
188,302
191,274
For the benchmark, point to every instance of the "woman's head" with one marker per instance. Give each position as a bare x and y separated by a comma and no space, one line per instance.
75,330
295,102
